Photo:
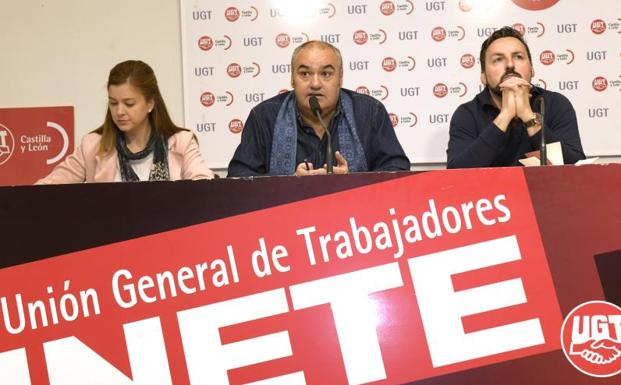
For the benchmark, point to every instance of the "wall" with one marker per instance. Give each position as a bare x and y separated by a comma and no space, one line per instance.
59,52
419,57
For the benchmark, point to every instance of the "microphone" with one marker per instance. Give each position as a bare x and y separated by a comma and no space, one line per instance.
543,155
316,108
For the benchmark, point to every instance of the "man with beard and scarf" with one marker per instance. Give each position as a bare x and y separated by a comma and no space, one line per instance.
502,123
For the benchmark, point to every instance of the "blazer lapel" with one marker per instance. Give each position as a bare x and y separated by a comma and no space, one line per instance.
106,167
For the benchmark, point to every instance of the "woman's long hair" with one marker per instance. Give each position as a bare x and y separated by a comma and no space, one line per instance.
141,76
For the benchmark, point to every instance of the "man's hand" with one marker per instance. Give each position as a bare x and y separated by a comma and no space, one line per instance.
341,167
341,164
521,89
522,105
515,102
507,110
304,169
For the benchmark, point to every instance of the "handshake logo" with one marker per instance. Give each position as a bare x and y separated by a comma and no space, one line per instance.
597,352
591,338
7,144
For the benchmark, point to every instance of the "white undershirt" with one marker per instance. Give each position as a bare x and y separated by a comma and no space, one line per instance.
142,168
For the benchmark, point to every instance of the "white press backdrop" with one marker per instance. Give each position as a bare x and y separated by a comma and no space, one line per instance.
420,58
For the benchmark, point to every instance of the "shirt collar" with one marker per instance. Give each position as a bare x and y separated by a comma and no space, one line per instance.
485,98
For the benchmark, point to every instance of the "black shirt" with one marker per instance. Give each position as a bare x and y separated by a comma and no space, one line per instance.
475,141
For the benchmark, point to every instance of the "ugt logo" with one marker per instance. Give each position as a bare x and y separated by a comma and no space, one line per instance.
591,338
7,144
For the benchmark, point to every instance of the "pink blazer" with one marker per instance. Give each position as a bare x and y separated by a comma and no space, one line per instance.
85,165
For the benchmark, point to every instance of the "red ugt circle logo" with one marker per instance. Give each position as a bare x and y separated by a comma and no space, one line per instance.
236,126
231,14
360,37
535,5
591,338
205,43
387,8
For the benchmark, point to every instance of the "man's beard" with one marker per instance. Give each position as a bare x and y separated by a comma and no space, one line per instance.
508,73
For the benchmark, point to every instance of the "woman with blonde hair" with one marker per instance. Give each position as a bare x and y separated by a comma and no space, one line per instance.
137,141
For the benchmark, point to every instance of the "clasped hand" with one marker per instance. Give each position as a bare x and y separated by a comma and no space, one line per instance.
515,104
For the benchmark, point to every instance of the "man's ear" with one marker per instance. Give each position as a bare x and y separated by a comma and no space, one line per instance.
483,78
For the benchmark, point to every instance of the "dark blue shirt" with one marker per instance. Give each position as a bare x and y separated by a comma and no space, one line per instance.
475,141
382,149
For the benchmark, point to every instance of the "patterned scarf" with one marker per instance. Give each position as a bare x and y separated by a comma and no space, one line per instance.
284,144
159,169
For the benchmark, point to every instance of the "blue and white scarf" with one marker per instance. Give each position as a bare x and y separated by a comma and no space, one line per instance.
284,143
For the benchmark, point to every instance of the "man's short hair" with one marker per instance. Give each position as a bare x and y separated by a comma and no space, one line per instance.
498,34
319,43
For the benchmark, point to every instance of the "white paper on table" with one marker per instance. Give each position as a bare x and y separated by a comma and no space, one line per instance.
587,161
554,155
531,161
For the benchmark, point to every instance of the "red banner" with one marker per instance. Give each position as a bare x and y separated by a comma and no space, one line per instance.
33,141
389,283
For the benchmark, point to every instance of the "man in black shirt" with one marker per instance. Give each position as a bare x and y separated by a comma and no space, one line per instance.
282,136
500,125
